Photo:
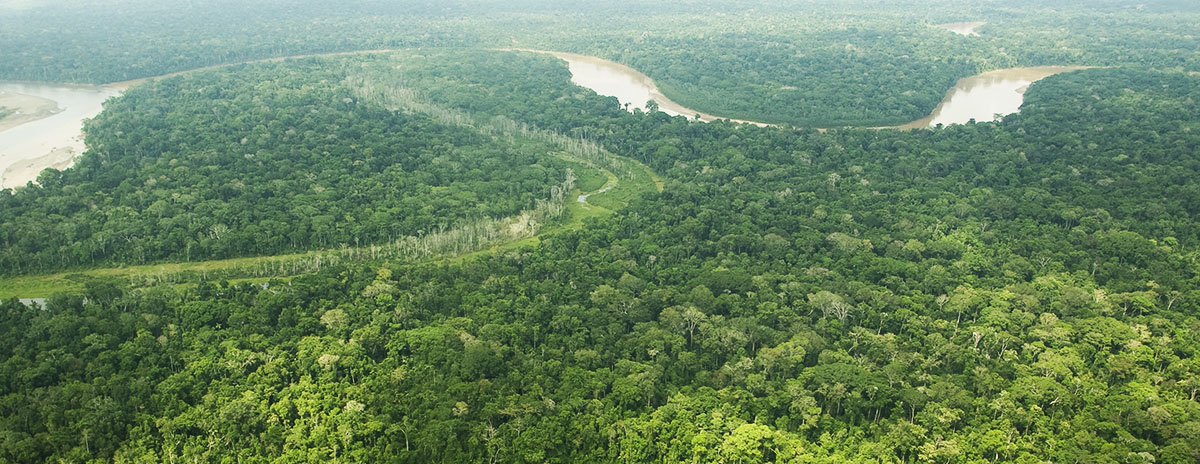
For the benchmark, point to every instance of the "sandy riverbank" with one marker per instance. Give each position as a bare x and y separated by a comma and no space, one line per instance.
26,170
584,68
53,134
27,108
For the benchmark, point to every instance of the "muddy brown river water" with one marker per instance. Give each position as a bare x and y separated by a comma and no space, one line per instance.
983,97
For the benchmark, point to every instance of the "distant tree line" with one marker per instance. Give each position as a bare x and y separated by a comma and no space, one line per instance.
812,64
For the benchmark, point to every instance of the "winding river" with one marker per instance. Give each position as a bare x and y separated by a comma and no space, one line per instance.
980,98
26,148
984,97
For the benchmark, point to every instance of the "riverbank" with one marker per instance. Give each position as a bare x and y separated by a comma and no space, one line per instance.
51,133
23,156
25,108
629,85
980,97
983,96
27,170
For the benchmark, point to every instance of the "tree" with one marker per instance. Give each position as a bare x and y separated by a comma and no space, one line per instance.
831,305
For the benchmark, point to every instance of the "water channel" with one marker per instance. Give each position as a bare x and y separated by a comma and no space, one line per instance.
984,97
981,97
54,140
632,88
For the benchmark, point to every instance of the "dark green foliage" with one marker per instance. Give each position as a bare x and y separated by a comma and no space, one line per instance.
850,80
967,294
265,159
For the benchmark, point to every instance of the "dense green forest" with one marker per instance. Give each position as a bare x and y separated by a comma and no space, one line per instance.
820,63
1019,291
264,159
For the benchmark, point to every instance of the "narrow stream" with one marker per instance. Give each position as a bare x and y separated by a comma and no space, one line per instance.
607,186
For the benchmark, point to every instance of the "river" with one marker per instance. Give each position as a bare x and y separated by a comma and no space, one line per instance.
632,88
980,97
984,96
54,138
51,141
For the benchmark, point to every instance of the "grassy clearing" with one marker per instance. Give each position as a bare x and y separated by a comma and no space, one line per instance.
233,270
587,160
587,178
39,286
643,181
576,213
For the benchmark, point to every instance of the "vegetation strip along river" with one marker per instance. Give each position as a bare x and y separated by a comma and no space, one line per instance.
508,233
54,140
